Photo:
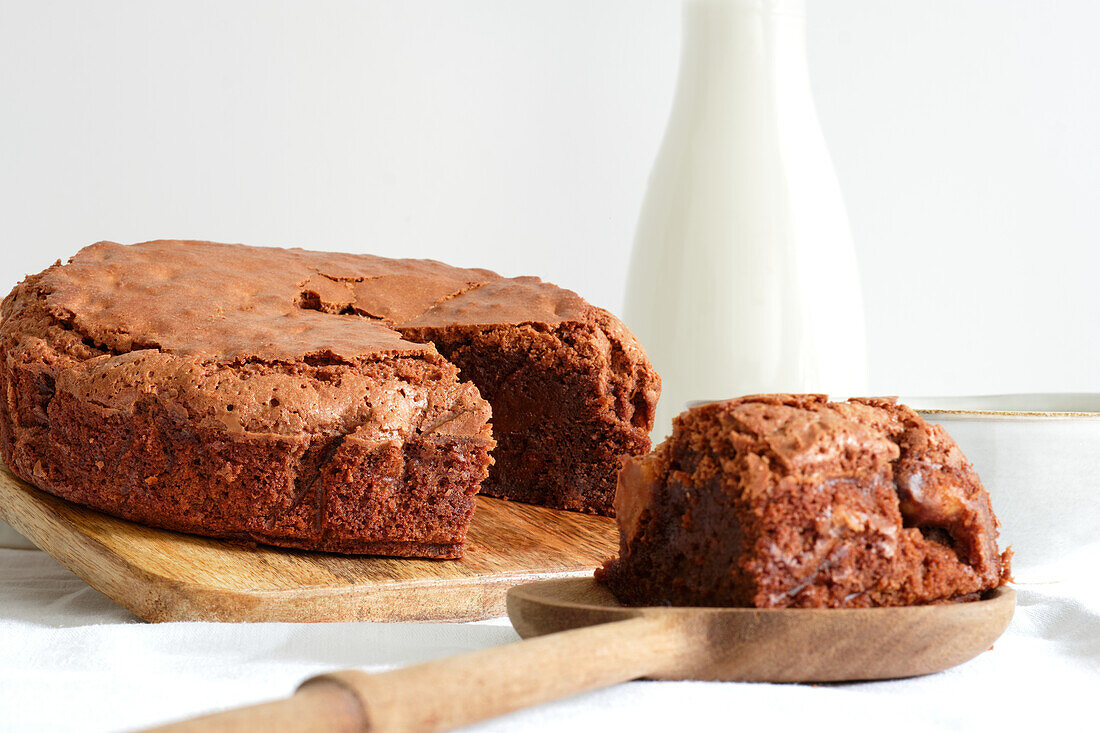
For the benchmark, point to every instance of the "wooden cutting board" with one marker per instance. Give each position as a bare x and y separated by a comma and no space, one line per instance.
166,576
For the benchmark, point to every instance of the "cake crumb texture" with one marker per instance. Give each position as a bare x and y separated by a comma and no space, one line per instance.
792,501
272,395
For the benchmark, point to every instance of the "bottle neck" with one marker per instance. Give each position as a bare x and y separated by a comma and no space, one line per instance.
749,45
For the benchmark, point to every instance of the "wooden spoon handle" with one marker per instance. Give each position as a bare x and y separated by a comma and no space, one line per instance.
449,693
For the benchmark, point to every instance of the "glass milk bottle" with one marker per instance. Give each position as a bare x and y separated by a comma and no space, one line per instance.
743,278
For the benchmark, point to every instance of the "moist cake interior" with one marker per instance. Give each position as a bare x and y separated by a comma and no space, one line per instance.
793,501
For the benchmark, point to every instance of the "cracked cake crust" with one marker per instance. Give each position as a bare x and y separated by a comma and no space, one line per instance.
780,501
267,394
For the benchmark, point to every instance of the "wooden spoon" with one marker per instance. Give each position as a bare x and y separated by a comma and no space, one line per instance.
586,640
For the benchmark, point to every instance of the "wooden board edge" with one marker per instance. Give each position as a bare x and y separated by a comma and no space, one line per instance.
159,598
475,599
135,589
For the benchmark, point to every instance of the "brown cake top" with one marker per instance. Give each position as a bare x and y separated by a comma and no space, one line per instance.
233,303
809,438
268,340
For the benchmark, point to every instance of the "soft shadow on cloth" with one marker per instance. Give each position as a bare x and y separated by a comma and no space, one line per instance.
37,592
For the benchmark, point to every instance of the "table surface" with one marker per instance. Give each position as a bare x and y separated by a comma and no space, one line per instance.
73,660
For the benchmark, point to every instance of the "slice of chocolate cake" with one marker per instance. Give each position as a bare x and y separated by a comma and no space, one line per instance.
270,394
793,501
571,389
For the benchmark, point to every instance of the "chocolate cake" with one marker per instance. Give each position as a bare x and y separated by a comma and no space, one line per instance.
792,501
313,400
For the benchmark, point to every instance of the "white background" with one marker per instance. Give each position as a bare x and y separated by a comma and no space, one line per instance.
517,135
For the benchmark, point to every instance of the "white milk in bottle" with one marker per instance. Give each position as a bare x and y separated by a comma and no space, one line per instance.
743,278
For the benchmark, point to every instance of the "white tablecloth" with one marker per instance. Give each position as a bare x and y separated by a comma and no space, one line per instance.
70,659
